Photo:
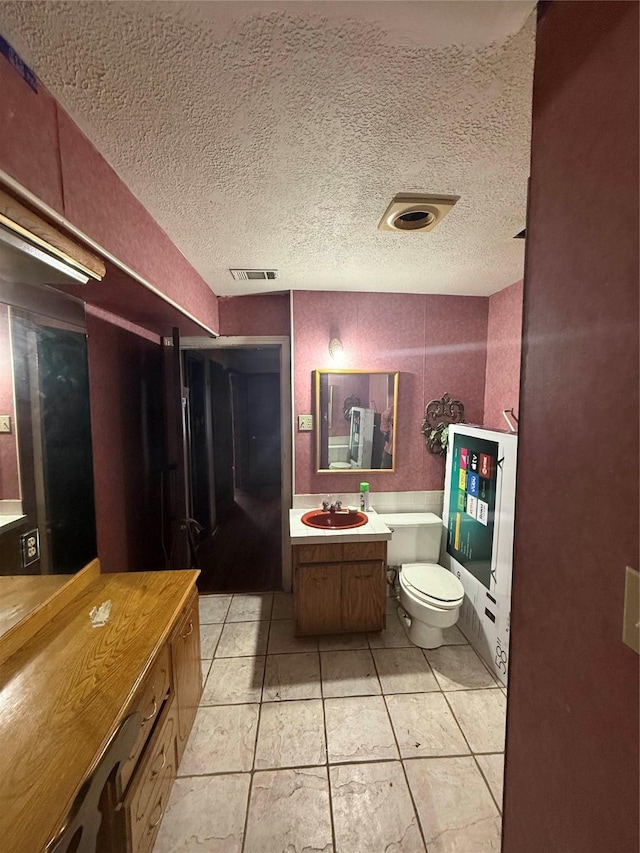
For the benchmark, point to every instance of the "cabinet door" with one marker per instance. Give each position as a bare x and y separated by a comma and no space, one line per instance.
363,596
187,672
317,599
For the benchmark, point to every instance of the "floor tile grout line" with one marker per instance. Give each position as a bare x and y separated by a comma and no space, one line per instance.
486,666
459,725
460,689
255,745
475,753
346,696
331,764
486,781
404,772
326,749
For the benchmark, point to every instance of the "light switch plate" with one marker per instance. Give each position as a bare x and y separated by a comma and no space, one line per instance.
631,623
305,423
5,423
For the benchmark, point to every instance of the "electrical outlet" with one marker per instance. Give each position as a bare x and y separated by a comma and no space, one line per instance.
5,423
305,423
30,547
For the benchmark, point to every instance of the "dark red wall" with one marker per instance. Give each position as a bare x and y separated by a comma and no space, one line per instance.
125,379
438,344
572,727
255,315
46,152
504,342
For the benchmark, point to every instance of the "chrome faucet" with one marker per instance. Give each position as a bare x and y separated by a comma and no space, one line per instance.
334,506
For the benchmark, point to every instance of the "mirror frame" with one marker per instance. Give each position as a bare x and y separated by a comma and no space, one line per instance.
319,372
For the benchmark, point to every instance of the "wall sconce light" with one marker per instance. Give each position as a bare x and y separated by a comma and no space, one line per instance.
336,350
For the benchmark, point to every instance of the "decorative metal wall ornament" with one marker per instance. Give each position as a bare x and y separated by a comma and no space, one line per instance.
435,426
349,403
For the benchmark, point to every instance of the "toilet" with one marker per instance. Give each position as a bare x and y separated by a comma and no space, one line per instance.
430,595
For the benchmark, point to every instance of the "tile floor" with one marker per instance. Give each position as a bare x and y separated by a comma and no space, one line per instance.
353,744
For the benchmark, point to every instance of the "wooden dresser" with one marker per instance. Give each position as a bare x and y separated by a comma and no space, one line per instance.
66,690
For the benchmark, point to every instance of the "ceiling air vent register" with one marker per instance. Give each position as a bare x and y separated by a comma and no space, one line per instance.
254,275
414,212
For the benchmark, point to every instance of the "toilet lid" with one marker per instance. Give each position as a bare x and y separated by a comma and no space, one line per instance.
339,466
434,581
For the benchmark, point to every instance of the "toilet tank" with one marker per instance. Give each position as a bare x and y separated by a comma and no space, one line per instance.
416,537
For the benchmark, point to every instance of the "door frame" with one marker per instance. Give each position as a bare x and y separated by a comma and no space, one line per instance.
283,343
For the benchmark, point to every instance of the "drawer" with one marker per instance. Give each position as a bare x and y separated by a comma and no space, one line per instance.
148,703
147,800
358,551
317,553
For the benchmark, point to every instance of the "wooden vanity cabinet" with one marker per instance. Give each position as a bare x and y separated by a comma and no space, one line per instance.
134,802
77,686
187,672
339,587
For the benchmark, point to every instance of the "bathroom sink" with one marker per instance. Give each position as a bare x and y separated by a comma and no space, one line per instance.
324,520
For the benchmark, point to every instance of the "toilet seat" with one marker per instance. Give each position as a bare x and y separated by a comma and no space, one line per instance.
433,585
339,466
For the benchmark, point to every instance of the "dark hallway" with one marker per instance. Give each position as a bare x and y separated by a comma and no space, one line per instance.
244,553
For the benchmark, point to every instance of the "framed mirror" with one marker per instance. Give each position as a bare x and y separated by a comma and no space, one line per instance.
356,420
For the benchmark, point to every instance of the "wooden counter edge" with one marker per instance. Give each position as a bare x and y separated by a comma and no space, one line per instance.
23,631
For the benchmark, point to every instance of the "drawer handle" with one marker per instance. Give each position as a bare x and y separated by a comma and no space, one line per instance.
158,805
190,631
153,713
164,761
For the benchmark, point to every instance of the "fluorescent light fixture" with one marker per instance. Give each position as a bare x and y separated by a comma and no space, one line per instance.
23,262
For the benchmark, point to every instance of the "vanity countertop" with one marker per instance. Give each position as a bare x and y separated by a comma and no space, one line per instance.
374,530
63,692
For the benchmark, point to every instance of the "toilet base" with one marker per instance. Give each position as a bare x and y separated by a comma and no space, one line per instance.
421,635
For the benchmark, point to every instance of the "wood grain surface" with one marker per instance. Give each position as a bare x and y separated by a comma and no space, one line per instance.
37,230
63,692
38,598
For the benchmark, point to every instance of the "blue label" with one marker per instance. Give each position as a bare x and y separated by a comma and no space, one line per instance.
22,68
473,484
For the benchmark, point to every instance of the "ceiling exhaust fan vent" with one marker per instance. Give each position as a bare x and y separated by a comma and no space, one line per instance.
254,275
414,212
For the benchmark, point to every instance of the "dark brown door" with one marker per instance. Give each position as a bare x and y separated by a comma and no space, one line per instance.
176,493
263,426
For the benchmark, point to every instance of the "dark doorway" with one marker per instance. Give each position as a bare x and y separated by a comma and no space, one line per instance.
234,438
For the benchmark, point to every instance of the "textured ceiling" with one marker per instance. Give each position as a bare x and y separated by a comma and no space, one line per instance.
275,134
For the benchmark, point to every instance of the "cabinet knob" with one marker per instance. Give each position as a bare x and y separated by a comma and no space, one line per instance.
189,631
